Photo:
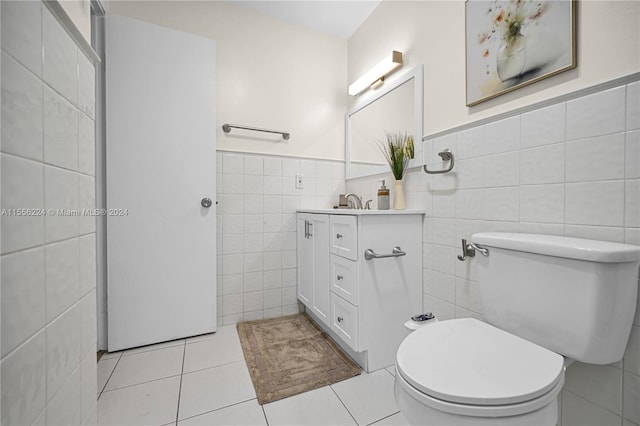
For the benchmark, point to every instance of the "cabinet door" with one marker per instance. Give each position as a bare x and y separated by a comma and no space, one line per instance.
305,259
321,303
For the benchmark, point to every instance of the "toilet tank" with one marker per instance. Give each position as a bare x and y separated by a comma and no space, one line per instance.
573,296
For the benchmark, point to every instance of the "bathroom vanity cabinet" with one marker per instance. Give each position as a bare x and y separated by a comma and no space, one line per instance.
360,277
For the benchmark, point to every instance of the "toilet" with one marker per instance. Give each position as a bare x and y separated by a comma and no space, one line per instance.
547,301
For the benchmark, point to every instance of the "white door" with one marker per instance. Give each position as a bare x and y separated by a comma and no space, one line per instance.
161,241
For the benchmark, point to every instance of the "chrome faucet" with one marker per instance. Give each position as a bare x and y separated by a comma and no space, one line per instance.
357,202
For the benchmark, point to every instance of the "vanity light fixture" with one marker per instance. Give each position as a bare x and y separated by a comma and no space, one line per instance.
375,77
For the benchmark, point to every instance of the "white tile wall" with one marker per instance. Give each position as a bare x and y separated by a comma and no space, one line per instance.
571,168
48,359
257,245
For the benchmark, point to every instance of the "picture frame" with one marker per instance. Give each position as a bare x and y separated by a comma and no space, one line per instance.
510,44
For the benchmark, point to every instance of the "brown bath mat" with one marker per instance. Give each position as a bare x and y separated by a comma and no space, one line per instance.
290,355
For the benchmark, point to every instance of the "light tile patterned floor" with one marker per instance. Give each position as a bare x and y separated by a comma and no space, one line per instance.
205,381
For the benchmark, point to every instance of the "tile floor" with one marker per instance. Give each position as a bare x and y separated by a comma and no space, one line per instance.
205,381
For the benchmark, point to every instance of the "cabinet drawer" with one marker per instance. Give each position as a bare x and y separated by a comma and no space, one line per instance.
344,278
344,236
344,320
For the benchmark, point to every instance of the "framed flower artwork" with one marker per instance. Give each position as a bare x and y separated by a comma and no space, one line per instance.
513,43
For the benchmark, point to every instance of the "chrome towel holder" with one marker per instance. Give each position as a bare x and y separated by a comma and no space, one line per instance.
227,128
446,155
396,252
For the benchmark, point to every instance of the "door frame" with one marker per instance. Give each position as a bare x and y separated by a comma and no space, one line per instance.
98,12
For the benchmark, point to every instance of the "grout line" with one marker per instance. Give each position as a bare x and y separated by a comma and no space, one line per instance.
386,417
220,408
216,366
44,163
343,404
109,378
150,348
184,352
264,413
140,383
44,244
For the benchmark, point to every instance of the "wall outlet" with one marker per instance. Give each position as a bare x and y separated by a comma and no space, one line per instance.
299,181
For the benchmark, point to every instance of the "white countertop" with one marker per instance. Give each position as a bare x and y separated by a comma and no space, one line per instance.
355,212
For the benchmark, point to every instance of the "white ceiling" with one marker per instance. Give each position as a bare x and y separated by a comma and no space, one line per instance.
338,18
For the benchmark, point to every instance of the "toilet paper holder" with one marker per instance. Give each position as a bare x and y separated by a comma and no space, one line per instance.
469,250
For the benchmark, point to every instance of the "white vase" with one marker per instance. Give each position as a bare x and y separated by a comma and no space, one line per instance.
512,56
399,202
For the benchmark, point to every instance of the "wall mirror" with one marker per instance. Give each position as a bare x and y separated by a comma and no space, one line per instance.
395,107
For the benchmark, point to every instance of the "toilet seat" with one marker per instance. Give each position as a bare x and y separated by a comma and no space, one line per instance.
470,366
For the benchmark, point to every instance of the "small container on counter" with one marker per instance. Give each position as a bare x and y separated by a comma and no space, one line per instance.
383,197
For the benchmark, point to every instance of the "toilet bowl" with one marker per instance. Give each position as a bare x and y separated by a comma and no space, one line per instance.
546,300
466,372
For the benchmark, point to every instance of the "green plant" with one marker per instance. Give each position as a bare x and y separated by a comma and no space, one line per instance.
398,150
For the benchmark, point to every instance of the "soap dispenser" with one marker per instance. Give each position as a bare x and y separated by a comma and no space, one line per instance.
383,197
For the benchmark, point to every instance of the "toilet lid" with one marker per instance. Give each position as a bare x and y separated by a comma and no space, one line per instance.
470,362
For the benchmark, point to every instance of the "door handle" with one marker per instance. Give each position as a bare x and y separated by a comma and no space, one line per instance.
206,202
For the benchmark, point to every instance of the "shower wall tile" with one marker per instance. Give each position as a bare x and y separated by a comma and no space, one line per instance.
632,203
543,126
598,158
23,382
23,297
60,66
502,203
21,110
254,165
543,164
595,203
48,259
86,86
502,169
542,203
22,188
597,114
632,155
257,213
503,135
88,384
471,143
272,166
232,163
86,145
86,202
61,198
63,273
64,407
87,263
63,349
60,131
633,106
22,33
603,233
470,173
